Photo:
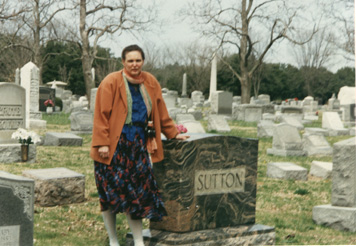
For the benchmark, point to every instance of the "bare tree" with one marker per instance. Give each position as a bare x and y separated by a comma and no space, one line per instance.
197,62
341,13
314,55
34,25
10,59
100,18
236,25
10,10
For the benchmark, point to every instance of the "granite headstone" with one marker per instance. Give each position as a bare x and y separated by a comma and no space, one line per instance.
45,94
341,213
286,141
81,121
16,210
221,102
208,184
12,110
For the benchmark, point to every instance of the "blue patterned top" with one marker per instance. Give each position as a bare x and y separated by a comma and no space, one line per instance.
139,114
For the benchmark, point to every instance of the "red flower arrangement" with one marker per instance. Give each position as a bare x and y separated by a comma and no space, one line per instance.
49,103
181,128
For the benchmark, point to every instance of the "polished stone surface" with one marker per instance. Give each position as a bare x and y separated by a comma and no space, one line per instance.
16,210
228,236
207,182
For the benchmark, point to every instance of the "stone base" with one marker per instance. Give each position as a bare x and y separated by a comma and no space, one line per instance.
316,131
62,139
57,186
35,115
10,153
339,218
321,151
338,132
285,152
81,132
265,129
286,170
321,169
311,117
38,124
349,123
228,236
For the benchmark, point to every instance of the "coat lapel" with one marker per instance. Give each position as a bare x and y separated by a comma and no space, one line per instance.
122,89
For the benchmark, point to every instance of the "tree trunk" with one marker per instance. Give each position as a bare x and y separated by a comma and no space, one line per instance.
37,41
245,91
87,59
86,65
245,79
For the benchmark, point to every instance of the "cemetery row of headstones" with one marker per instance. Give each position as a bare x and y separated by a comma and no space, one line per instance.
340,214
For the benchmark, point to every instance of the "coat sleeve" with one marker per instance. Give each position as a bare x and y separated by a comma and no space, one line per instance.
168,126
103,107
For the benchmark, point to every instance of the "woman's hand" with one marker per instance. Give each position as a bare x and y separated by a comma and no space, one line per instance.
104,151
182,137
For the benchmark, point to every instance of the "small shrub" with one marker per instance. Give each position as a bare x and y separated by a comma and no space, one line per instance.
301,192
58,102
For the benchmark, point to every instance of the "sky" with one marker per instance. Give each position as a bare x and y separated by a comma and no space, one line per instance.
176,31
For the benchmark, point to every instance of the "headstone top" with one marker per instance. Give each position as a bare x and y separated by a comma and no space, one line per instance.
347,95
7,175
346,142
332,120
288,165
180,118
64,135
218,123
51,173
29,66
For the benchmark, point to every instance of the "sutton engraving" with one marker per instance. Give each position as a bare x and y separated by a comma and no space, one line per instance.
219,181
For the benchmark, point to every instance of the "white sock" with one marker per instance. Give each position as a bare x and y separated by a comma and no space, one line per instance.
136,229
110,225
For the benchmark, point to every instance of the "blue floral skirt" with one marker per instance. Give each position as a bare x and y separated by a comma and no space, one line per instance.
128,185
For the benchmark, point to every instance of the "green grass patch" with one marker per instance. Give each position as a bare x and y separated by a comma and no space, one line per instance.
284,204
56,118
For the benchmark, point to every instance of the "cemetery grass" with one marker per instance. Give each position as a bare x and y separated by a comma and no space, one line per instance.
284,204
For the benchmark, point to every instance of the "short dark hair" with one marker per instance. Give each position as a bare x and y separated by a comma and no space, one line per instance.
133,47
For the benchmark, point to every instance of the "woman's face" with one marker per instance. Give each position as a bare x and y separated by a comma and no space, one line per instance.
133,63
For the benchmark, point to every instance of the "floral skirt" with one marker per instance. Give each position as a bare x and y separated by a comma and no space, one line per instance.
128,185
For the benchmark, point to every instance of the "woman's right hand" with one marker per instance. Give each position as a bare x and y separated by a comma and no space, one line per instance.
104,151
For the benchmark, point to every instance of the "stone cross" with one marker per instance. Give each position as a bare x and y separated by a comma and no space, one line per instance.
213,77
184,87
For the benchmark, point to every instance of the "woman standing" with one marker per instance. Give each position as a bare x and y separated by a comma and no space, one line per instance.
127,102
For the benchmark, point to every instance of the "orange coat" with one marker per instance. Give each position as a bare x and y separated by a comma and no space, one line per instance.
111,110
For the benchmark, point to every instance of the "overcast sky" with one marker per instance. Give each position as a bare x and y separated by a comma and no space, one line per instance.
178,32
